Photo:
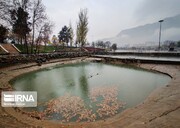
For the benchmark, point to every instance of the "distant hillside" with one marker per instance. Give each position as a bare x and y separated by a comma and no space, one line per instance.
149,33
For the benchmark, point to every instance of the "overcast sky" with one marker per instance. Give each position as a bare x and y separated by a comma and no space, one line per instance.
108,17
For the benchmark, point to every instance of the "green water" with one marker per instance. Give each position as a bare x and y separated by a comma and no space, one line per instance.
133,84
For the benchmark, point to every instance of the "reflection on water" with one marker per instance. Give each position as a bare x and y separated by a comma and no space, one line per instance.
84,87
78,80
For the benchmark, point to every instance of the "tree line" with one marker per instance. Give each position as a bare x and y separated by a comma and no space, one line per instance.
66,34
25,22
105,45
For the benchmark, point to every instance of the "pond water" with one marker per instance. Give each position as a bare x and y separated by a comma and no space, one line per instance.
89,91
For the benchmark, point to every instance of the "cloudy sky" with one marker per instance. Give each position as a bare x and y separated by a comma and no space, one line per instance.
108,17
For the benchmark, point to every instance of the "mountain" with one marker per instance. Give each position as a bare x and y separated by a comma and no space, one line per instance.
149,34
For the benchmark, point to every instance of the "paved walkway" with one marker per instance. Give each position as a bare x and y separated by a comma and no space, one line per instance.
142,58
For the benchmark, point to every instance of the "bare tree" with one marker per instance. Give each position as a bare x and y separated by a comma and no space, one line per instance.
44,33
38,15
6,6
77,36
47,31
4,11
71,34
82,27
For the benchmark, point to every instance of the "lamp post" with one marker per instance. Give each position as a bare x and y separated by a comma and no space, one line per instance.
160,33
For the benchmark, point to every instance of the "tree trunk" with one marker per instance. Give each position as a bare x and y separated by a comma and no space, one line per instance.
26,45
45,44
23,47
32,44
36,46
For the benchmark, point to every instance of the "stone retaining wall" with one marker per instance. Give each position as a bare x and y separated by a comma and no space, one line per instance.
9,60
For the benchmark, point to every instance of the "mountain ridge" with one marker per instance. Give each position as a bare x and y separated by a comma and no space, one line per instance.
148,33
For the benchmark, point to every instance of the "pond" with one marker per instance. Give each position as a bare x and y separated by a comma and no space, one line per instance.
88,91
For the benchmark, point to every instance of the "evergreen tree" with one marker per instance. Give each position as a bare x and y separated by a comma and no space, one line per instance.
114,47
21,24
64,35
3,33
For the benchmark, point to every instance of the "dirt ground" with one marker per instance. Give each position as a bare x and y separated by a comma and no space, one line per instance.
160,110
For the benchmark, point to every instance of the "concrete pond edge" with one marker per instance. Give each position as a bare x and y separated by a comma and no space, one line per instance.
142,115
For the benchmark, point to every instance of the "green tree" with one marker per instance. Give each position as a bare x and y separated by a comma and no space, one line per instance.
82,28
3,33
178,44
64,35
21,25
114,47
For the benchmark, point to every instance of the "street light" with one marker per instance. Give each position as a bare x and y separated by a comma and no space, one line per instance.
160,33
